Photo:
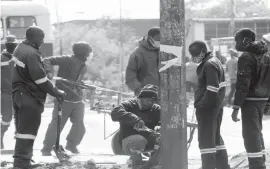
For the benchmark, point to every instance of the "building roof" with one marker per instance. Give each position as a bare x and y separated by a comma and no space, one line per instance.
23,8
228,19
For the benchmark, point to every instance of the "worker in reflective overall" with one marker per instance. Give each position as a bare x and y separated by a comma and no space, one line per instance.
208,102
6,86
252,93
30,87
71,68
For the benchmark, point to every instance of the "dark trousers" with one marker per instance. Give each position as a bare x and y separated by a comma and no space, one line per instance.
72,111
252,114
213,151
232,91
6,112
27,112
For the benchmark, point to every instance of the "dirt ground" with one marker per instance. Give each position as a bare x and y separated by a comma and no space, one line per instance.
95,147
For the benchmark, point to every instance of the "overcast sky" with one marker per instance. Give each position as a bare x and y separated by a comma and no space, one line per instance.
92,9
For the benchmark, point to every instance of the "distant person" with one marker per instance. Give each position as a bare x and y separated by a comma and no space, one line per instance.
143,63
6,86
135,117
191,78
222,59
252,93
231,68
266,39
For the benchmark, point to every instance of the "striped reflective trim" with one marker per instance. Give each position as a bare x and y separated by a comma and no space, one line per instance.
236,107
212,88
42,80
26,136
264,151
216,89
256,99
221,147
4,123
208,150
18,62
255,155
5,63
80,101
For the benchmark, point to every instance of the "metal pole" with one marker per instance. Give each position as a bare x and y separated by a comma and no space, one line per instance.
232,21
173,91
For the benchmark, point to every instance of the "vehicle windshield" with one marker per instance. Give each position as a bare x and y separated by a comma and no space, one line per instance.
17,25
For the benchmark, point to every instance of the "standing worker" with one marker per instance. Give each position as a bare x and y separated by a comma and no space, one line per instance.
6,86
142,68
209,99
71,68
231,67
266,39
30,87
252,93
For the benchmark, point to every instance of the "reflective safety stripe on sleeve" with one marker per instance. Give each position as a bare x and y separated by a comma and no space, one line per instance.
264,151
221,147
255,155
212,88
216,89
26,136
4,123
42,80
5,63
18,62
208,150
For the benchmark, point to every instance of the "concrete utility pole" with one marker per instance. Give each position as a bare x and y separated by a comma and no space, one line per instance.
173,92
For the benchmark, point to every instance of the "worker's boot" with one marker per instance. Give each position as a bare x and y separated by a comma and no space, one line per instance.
46,151
136,161
72,149
4,128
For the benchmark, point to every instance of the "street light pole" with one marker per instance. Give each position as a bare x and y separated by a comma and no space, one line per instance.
173,91
232,21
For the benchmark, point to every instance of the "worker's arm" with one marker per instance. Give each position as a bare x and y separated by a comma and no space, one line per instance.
244,76
123,115
38,74
49,62
157,110
212,86
133,67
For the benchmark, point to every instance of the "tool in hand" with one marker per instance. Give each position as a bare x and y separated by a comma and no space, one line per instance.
58,149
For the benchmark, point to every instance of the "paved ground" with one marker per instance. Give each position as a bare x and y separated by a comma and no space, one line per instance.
94,143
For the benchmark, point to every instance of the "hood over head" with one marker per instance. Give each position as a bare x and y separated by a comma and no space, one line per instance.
145,44
257,47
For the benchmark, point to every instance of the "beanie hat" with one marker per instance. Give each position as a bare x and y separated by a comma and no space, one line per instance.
81,48
153,31
11,39
149,91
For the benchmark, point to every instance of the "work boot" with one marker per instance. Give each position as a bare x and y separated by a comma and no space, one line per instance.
72,149
46,152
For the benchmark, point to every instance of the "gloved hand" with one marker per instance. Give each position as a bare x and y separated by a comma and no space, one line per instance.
139,125
60,95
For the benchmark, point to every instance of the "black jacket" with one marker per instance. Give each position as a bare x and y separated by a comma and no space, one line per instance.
129,113
253,75
211,83
6,67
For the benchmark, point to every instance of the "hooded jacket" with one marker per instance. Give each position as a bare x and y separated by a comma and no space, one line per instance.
142,67
6,70
253,75
211,83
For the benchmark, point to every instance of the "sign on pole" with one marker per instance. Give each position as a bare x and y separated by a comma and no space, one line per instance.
173,92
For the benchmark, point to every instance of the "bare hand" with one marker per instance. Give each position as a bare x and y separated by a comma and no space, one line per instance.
235,115
139,125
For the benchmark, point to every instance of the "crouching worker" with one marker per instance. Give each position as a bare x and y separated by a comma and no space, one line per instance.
135,116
